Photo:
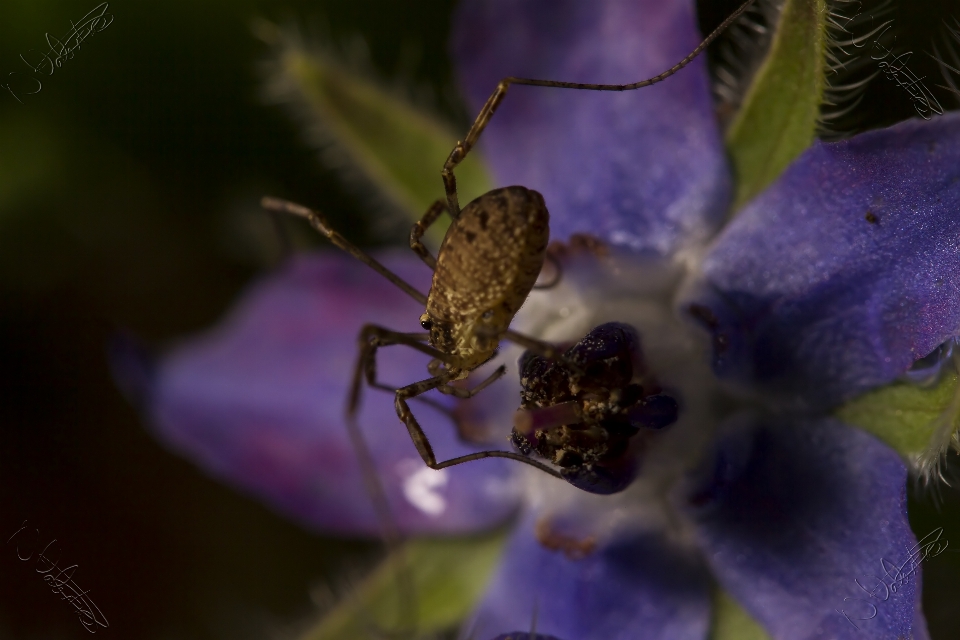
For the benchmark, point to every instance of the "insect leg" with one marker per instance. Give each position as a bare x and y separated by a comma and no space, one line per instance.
370,339
420,227
557,273
280,231
489,108
469,393
368,365
369,368
539,347
389,530
422,444
318,222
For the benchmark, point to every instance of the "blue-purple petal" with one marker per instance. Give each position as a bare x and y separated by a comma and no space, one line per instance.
524,636
638,587
845,271
643,169
804,523
259,400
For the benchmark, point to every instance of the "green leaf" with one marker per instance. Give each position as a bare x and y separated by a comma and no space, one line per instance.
391,143
918,422
449,575
778,118
731,622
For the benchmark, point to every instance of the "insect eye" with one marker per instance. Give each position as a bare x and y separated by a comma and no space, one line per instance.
425,322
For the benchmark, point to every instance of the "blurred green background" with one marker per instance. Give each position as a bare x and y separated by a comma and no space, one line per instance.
129,190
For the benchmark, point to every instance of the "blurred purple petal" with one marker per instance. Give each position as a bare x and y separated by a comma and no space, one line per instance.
636,588
524,636
258,402
845,271
644,169
800,522
133,366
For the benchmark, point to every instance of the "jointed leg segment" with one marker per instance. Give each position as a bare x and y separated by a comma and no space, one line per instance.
420,227
318,222
371,338
489,108
422,444
459,392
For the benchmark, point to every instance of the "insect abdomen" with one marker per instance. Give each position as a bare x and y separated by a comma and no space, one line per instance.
491,256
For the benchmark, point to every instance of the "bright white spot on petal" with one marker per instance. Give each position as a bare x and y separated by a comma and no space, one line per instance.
422,487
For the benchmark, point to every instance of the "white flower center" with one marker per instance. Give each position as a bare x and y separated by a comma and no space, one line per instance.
677,352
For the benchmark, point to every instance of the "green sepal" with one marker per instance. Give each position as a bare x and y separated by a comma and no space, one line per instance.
392,144
731,622
918,422
779,114
448,574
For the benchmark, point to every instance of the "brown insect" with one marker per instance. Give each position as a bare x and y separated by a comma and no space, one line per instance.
486,267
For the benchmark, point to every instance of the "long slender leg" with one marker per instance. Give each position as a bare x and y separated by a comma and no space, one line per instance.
318,222
557,274
280,231
367,364
370,339
462,429
539,347
469,393
463,148
420,227
389,529
422,444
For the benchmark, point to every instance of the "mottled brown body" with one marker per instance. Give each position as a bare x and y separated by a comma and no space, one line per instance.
486,268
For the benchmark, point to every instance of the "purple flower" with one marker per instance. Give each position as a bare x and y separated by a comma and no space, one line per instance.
806,300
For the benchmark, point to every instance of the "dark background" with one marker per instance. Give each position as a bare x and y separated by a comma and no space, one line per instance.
128,199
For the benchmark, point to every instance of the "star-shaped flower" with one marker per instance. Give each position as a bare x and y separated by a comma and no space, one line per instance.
833,281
